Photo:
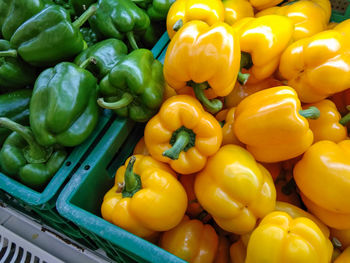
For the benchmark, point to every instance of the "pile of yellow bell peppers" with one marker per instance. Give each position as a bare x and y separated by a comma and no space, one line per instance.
248,158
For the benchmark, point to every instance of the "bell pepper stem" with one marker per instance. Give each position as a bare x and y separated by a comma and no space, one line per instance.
85,16
182,139
243,78
246,60
9,53
344,121
179,23
34,153
131,38
132,180
124,101
311,113
87,62
213,106
287,189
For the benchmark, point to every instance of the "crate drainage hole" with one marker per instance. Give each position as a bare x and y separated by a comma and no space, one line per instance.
68,163
86,167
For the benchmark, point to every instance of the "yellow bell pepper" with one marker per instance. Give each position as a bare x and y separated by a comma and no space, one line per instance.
184,11
183,134
223,252
262,42
342,101
235,189
194,209
140,147
319,66
286,191
263,4
192,241
296,212
343,236
236,10
280,238
308,16
188,61
327,126
272,125
344,257
146,197
228,135
238,252
242,91
322,177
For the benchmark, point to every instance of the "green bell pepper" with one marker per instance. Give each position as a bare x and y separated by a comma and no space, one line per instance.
106,55
89,36
80,6
63,107
50,37
15,106
116,18
15,12
158,10
22,157
135,86
14,73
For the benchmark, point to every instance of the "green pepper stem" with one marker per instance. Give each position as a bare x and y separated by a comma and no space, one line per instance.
246,60
344,121
132,180
287,189
243,78
34,153
138,1
85,16
131,38
213,106
124,101
179,23
182,139
87,62
9,53
311,113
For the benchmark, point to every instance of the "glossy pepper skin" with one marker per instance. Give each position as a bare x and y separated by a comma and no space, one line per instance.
157,10
319,66
146,197
22,157
140,147
106,55
135,86
308,16
262,41
208,11
280,238
238,252
15,12
14,73
63,108
236,10
194,209
15,106
223,252
192,241
228,135
183,134
188,62
269,122
119,18
327,126
321,176
36,39
241,91
341,235
246,189
296,212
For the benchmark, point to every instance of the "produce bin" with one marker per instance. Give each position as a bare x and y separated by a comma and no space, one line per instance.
41,205
340,10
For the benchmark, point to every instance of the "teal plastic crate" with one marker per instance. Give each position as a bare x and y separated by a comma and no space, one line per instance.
340,10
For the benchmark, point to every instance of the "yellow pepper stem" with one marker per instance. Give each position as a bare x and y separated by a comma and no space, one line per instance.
344,121
132,180
311,113
124,101
8,53
179,23
213,106
181,140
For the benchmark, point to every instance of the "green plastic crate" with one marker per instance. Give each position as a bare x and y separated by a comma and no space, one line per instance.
340,10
